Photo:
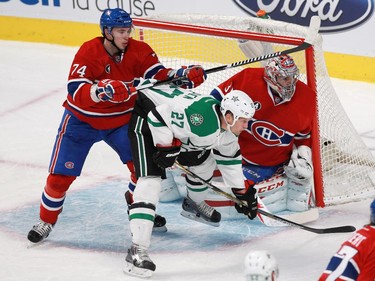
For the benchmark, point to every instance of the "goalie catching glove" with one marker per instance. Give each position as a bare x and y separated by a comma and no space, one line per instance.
194,75
249,196
111,90
300,168
167,155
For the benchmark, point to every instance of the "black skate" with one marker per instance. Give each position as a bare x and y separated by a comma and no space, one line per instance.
138,263
159,221
39,232
201,212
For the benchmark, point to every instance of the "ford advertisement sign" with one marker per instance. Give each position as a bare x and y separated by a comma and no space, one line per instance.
336,15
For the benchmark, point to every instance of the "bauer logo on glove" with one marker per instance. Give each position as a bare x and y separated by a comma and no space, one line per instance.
167,155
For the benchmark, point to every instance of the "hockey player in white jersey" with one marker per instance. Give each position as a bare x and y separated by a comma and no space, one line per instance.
170,124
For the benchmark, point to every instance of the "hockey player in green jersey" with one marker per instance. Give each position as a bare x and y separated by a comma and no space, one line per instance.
169,124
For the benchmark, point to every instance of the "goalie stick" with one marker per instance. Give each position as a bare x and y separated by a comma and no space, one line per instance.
338,229
307,43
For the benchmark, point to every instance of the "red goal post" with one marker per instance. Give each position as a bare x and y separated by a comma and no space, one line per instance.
213,41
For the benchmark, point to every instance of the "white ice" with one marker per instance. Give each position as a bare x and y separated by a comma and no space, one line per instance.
91,237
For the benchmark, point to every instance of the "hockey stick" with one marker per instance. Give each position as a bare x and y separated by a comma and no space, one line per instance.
338,229
308,42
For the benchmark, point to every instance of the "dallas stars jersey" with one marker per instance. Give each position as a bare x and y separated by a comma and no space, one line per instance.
194,119
191,117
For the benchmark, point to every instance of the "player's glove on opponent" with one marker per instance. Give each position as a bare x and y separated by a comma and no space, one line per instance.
248,195
194,76
112,90
167,155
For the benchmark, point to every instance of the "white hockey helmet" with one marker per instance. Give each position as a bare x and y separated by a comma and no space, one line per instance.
239,104
282,67
260,266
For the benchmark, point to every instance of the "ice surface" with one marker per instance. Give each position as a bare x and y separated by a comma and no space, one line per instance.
91,237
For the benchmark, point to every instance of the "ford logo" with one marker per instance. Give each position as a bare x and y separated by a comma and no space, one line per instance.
336,15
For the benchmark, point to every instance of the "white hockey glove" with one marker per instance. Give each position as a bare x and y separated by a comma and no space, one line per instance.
300,168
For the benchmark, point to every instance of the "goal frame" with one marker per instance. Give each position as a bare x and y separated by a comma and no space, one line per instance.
248,35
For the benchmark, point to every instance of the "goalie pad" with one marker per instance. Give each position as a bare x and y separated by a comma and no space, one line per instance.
174,186
298,195
273,193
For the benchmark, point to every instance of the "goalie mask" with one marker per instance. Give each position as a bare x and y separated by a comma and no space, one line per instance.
281,74
239,104
260,266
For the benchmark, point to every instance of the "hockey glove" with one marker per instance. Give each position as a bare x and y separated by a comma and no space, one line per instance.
194,76
248,195
113,90
167,155
300,168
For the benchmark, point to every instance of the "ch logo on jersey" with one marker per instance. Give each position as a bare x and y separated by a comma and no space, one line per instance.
69,165
196,119
108,68
268,134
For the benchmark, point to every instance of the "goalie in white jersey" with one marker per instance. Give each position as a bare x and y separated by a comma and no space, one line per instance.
170,124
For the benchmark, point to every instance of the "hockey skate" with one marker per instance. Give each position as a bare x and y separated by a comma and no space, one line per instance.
200,212
138,263
159,221
39,232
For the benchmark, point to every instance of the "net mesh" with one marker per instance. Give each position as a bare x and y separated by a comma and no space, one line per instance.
347,172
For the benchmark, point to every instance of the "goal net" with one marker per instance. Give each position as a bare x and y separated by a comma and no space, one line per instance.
344,168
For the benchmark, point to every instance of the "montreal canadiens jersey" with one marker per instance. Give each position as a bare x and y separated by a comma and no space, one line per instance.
355,260
194,120
91,64
275,126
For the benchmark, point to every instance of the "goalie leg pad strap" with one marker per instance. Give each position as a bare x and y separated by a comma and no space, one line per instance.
298,195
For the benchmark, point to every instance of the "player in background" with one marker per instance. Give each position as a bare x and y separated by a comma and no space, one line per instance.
170,124
99,104
260,266
355,260
276,144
